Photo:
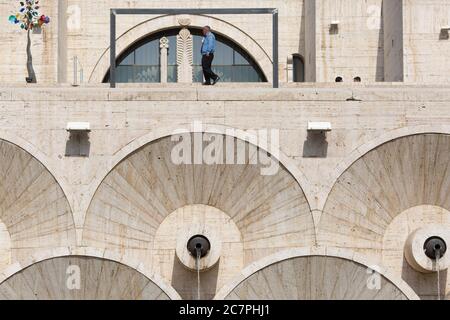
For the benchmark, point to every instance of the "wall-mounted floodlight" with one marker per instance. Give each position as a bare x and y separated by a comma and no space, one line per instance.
334,27
78,126
78,144
445,33
319,126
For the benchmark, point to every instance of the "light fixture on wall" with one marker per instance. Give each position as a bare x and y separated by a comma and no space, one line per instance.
319,126
316,144
78,126
78,144
334,27
444,33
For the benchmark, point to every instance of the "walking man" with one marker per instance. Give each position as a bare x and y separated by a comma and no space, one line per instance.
208,48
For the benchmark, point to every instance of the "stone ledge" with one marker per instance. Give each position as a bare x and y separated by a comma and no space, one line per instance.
329,92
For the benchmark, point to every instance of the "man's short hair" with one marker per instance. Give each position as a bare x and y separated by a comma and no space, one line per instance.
207,27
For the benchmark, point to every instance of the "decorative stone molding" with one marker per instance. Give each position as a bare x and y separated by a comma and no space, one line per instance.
184,22
164,46
184,56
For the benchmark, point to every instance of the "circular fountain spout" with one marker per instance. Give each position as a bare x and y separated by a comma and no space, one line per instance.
198,245
425,249
435,248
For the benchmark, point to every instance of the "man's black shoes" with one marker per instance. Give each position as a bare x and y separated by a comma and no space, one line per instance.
213,83
216,80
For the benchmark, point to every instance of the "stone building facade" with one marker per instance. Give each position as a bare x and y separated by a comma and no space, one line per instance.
344,212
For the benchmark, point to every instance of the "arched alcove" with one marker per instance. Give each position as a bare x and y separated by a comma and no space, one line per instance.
298,68
142,61
136,197
34,210
220,27
299,274
403,177
79,278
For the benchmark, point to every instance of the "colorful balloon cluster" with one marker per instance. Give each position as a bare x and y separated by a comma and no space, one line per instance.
28,15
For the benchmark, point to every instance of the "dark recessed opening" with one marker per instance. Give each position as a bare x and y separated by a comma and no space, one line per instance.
435,247
198,245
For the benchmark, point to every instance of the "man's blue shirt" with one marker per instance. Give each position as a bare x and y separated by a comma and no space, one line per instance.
209,44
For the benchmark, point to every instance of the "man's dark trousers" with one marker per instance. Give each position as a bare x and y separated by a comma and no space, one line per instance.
206,65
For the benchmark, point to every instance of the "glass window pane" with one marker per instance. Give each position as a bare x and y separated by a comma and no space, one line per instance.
239,59
172,58
148,54
172,75
138,74
129,60
198,74
230,62
197,47
223,55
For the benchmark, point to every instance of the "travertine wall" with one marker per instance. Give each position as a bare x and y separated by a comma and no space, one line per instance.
127,186
425,59
95,24
393,40
356,50
87,32
362,47
13,43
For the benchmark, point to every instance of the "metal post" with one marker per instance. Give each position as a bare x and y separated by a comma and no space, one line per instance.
75,70
112,70
275,48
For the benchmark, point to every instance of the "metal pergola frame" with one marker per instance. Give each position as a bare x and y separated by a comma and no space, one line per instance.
135,11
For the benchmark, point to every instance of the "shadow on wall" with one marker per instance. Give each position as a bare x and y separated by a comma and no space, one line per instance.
379,73
425,284
444,35
316,145
184,281
78,144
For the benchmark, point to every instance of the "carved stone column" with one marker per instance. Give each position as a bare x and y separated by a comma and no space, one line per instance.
164,46
184,54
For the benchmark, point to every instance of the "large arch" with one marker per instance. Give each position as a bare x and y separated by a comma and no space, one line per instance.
165,131
366,147
43,158
225,29
85,273
141,191
34,209
315,273
402,173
